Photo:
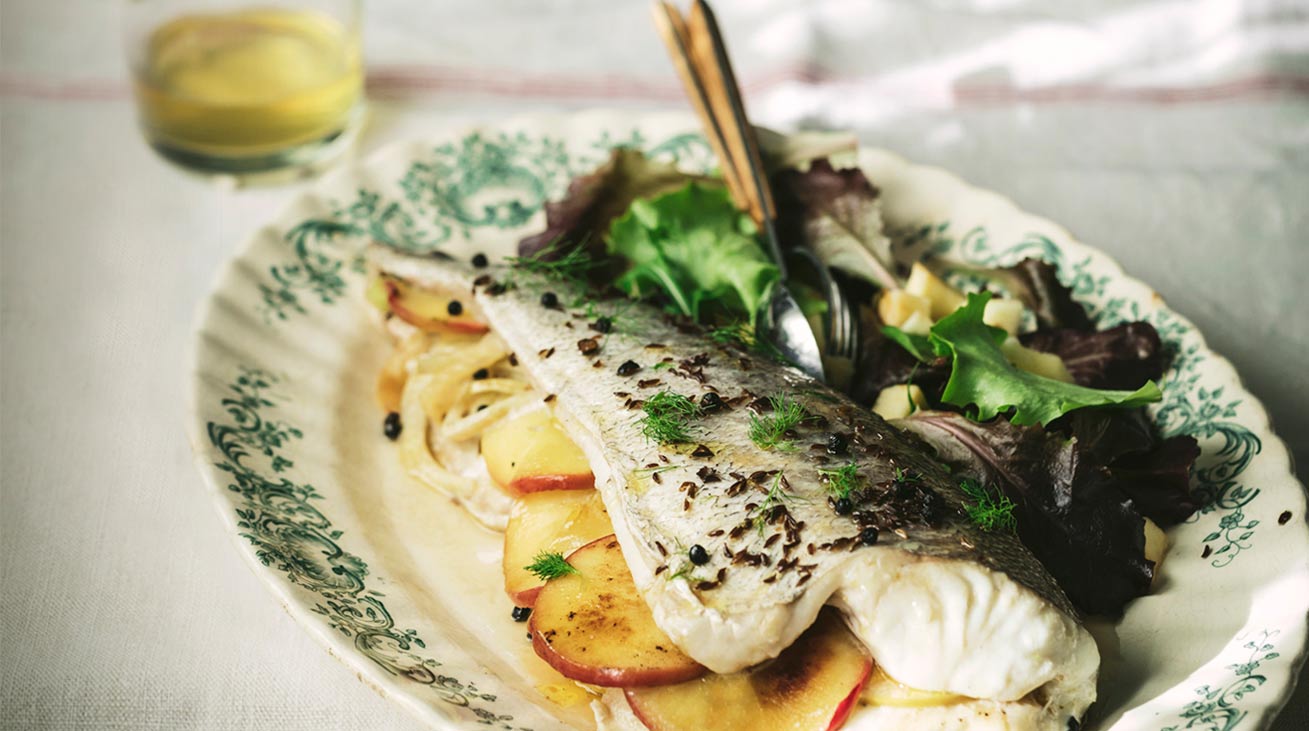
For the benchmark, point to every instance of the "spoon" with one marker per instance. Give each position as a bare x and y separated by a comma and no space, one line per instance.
840,328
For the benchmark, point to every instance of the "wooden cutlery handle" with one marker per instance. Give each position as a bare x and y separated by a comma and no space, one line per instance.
710,54
672,28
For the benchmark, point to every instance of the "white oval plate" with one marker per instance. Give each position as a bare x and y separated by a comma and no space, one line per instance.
402,586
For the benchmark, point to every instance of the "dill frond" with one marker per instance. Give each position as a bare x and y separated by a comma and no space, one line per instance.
739,334
668,417
769,431
552,262
549,566
776,494
647,471
900,474
744,336
843,480
988,511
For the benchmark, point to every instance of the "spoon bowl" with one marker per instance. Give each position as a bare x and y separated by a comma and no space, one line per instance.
838,345
783,325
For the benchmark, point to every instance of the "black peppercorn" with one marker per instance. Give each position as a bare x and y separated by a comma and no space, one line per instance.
520,614
711,402
628,368
479,261
550,299
480,374
391,426
836,443
698,555
602,325
868,536
455,308
842,506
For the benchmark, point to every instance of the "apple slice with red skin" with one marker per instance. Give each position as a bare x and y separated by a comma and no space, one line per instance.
594,627
812,686
425,310
555,521
532,453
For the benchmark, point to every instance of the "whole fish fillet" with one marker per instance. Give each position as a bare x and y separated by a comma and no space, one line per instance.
940,603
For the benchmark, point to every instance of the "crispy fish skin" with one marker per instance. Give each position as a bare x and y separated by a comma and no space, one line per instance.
940,603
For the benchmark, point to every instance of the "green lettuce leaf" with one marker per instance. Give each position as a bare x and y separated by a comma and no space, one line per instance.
596,198
693,246
982,377
919,346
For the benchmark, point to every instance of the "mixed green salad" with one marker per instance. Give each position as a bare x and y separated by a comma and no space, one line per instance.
1036,410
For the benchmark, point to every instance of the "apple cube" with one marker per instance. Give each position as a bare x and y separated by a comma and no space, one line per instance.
895,306
812,686
557,521
943,298
899,401
1006,314
1024,358
532,453
594,626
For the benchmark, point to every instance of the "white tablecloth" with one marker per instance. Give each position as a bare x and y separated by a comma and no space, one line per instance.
1173,134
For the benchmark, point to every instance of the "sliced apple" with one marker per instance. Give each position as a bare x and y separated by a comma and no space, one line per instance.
812,686
556,521
531,453
376,293
427,311
883,690
594,627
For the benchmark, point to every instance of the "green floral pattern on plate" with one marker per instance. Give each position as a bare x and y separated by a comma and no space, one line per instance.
277,515
1216,709
483,181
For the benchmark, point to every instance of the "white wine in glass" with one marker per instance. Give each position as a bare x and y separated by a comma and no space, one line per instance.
247,90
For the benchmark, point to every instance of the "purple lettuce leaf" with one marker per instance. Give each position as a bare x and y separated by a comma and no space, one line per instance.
1082,492
883,362
1122,357
1036,283
835,213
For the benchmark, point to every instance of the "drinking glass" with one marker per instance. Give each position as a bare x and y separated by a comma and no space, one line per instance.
226,87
